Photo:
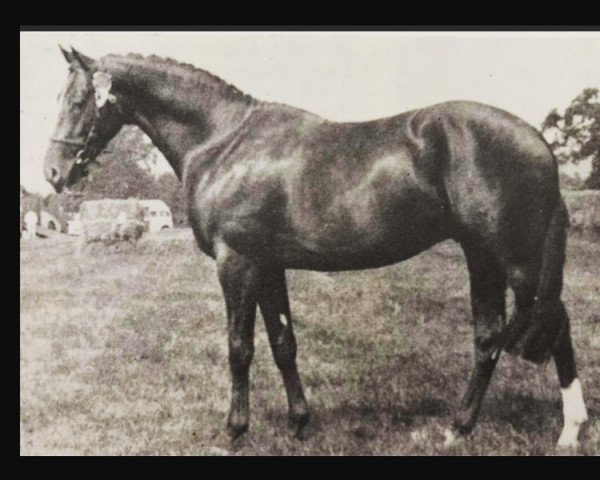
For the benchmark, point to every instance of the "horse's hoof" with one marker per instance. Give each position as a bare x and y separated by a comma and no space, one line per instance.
567,444
567,450
452,439
568,439
296,424
236,430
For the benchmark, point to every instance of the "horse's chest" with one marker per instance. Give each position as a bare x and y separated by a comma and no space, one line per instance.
236,209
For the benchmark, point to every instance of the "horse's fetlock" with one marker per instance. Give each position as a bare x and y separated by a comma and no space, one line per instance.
297,420
485,342
237,424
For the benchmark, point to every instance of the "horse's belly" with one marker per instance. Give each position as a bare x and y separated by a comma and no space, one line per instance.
340,261
367,227
383,244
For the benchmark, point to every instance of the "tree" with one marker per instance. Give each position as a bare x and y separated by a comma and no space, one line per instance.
133,146
125,170
575,135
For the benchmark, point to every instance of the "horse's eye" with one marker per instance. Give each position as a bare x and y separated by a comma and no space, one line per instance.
79,102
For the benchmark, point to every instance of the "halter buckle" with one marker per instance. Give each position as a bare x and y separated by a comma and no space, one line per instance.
79,160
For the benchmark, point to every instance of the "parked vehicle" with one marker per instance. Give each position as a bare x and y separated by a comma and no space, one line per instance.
157,215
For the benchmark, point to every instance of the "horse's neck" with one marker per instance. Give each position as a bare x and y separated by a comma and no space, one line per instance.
178,119
175,136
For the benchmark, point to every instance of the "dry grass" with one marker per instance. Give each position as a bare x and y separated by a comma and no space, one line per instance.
125,353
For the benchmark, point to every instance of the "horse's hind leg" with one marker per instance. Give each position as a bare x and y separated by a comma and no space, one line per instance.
488,303
239,279
274,304
574,411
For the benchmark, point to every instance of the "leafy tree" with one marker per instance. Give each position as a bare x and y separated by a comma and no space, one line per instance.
575,135
124,170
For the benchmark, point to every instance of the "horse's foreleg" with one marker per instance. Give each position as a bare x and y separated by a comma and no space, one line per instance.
488,289
238,278
274,305
574,411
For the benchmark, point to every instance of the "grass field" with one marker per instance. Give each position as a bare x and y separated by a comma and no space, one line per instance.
125,353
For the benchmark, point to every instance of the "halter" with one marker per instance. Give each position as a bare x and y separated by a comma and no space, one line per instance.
102,83
79,160
68,141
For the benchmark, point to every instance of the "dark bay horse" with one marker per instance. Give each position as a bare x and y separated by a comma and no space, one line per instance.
271,187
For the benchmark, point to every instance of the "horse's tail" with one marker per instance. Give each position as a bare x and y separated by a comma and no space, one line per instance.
533,335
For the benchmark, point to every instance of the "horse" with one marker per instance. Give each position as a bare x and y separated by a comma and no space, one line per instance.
270,187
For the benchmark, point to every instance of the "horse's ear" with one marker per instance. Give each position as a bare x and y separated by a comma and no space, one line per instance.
66,54
84,62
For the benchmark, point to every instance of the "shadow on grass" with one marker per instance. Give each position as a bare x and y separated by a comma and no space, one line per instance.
364,422
425,407
525,414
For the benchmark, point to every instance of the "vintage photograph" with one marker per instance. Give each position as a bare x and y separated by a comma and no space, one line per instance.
309,243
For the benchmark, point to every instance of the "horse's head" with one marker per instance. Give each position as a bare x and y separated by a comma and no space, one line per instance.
90,116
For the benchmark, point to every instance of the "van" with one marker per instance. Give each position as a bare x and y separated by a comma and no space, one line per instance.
157,215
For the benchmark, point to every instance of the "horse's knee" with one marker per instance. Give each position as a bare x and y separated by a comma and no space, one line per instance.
240,356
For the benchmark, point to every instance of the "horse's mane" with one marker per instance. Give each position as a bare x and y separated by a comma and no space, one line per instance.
191,75
185,71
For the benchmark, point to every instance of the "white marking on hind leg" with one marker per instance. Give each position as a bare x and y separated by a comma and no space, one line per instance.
450,438
283,320
574,413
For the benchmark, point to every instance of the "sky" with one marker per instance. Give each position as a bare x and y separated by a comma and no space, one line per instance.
343,76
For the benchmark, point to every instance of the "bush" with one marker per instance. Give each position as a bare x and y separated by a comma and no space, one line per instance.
584,212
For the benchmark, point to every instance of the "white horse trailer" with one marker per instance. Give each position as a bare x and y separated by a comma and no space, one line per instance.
157,215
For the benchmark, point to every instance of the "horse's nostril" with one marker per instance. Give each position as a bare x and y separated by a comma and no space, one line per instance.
54,174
